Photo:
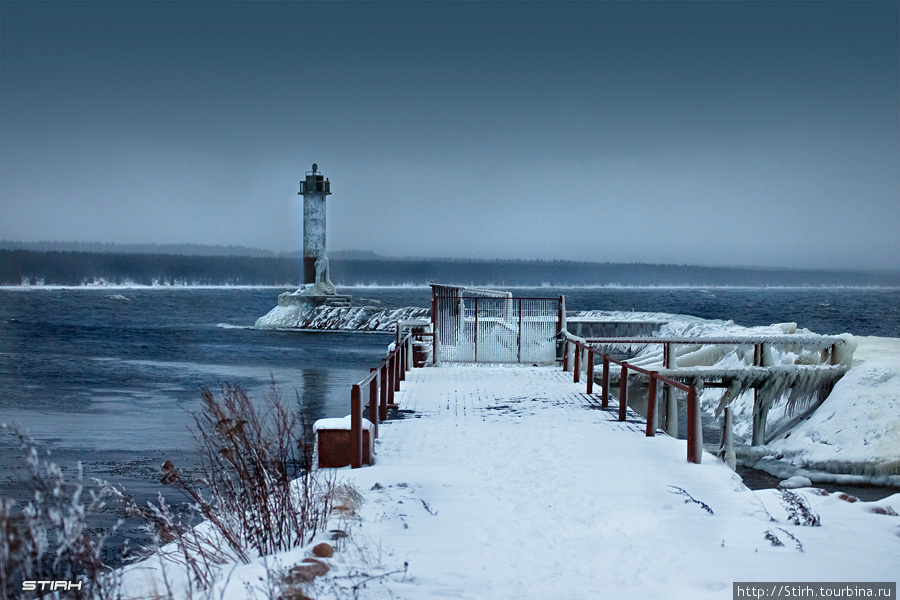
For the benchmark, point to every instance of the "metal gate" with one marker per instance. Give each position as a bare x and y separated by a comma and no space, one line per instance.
473,325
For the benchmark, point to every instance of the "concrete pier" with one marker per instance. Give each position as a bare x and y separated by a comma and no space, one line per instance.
511,482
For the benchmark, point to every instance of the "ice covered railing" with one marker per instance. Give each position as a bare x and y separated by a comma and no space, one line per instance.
788,371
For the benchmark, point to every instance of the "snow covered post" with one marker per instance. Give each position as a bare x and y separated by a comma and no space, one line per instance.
401,358
760,416
726,448
409,353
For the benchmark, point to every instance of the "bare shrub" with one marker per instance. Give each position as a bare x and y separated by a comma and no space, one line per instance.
45,538
773,539
197,549
798,511
797,544
257,492
690,499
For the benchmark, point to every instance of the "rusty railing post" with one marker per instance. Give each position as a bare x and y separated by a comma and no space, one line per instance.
623,392
383,387
694,432
576,372
373,402
392,373
590,371
604,383
651,405
397,371
566,354
356,441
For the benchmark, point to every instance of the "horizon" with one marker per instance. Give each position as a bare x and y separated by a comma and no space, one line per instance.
739,134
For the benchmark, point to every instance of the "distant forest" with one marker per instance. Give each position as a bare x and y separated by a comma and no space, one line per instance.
33,267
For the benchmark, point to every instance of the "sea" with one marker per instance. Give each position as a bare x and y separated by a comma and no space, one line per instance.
109,378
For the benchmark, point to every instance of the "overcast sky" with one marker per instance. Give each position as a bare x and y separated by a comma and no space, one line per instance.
716,133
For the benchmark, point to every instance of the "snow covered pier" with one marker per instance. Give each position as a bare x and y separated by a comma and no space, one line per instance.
511,482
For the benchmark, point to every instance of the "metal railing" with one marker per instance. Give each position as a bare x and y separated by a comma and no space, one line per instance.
495,327
694,431
827,346
382,381
309,186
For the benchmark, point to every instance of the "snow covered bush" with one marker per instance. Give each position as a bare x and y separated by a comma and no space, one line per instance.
257,493
45,539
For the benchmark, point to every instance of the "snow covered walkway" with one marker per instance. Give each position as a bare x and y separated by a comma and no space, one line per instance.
509,482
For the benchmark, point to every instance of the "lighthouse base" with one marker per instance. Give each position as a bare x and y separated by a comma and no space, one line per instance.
307,299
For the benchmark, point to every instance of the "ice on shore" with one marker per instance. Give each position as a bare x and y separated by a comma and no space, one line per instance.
337,318
856,430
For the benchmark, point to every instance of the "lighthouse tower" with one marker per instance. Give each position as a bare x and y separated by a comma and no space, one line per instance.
313,189
317,286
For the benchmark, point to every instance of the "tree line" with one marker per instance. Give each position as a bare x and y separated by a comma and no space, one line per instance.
18,267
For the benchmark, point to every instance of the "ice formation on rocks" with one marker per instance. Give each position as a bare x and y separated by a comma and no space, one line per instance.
337,318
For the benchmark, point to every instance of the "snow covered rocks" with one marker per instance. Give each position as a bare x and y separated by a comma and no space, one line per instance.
797,481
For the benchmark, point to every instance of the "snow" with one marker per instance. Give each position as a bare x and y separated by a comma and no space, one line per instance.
507,482
342,423
797,481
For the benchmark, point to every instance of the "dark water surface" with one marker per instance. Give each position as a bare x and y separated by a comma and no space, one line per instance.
112,383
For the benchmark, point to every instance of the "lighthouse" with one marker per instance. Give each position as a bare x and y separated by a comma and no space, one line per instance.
297,310
316,285
313,188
